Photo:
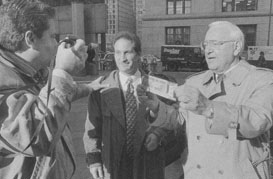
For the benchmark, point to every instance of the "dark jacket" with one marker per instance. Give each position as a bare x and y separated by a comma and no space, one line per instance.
105,131
35,140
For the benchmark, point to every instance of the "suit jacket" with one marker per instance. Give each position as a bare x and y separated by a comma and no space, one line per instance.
105,130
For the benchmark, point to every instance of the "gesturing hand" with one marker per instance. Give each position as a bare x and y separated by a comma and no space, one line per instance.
96,84
190,98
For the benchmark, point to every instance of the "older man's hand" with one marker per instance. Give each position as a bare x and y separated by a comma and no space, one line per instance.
190,98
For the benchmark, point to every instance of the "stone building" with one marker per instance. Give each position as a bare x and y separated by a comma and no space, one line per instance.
185,21
121,16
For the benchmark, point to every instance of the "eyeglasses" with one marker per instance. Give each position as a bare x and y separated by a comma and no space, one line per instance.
214,43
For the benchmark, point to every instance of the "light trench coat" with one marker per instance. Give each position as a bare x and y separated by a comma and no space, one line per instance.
218,151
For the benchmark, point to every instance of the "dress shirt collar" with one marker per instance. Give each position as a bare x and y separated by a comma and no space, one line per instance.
124,79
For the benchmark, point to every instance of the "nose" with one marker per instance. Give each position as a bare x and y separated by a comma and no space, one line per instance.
123,56
208,49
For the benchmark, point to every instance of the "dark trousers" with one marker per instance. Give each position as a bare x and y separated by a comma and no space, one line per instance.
151,165
154,163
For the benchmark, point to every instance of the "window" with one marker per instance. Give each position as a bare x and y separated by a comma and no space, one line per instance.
178,6
239,5
250,34
177,35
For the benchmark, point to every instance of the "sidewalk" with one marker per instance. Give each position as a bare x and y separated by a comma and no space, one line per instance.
76,120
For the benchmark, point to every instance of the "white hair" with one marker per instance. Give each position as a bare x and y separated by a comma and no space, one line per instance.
235,32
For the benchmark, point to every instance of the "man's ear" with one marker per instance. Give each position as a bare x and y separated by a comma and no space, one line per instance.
237,48
30,39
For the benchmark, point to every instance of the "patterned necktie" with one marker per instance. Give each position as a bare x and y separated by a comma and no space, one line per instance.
131,110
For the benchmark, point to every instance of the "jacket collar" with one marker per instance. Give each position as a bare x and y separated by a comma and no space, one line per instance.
22,66
19,63
235,76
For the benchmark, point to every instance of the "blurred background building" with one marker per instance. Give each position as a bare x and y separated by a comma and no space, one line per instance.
140,10
161,22
121,16
185,21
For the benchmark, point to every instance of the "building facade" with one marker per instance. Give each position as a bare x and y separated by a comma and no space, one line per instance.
121,17
140,11
186,21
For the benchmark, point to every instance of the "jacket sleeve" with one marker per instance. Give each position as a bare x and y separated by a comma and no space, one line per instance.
28,125
168,118
254,117
93,130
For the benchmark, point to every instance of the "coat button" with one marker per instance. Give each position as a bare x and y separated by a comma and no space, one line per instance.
198,166
221,172
198,137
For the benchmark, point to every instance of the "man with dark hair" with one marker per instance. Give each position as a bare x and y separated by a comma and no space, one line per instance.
116,129
35,140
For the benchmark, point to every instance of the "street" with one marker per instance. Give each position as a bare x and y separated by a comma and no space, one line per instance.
77,118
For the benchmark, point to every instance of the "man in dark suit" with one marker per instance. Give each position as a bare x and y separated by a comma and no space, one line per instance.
116,129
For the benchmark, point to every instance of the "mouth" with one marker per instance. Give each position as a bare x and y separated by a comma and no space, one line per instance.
210,58
126,62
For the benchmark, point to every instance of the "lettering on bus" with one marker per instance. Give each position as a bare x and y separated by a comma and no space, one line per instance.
172,51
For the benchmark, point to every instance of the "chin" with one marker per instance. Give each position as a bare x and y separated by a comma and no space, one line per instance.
128,71
212,67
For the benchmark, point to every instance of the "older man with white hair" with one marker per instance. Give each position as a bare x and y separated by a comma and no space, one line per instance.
228,111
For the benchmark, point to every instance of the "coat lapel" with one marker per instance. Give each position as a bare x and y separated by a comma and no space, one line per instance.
212,89
113,98
141,127
141,124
